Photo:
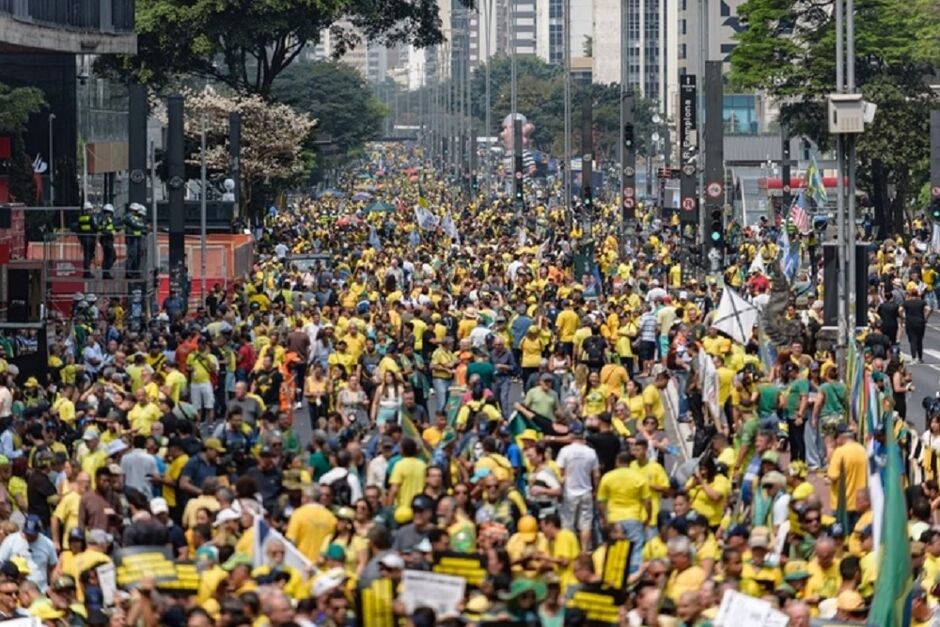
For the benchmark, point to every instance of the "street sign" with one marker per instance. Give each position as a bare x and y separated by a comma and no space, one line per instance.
688,204
518,175
713,190
935,191
629,192
786,189
629,203
628,171
688,170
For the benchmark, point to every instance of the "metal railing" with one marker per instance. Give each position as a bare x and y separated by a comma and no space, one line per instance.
110,16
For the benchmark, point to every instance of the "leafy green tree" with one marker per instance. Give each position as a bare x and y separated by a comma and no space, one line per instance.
336,95
788,50
246,44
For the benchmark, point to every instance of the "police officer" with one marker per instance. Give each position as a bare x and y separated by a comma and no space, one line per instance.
134,227
106,239
85,229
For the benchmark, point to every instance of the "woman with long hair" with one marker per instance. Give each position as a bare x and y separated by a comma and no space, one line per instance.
387,400
317,393
355,546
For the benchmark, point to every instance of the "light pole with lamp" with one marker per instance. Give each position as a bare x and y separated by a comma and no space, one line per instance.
207,91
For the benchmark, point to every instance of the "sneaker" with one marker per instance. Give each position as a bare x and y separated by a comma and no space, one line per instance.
298,405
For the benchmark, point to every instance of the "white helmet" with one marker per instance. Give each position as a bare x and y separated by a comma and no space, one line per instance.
108,207
78,296
91,298
136,207
87,206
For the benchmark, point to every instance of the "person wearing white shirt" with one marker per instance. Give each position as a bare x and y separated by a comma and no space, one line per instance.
582,472
7,446
6,401
138,466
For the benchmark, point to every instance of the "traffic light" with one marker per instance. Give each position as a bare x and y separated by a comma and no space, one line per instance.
628,136
518,191
716,229
935,209
587,198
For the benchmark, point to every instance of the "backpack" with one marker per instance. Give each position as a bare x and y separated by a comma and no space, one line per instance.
342,492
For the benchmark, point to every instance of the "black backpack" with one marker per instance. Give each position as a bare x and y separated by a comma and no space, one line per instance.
342,492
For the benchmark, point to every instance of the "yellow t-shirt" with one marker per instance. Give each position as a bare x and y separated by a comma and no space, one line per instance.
701,503
199,365
566,324
172,474
656,476
176,381
689,580
517,549
566,546
307,528
625,491
531,351
67,513
142,417
408,474
65,409
653,399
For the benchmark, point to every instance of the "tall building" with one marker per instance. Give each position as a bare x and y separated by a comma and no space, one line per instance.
719,19
651,47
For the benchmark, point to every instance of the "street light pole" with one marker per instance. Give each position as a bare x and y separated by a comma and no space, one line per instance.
202,205
489,113
512,57
843,290
566,170
851,318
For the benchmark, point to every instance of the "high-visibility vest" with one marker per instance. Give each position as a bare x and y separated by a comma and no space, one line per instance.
85,224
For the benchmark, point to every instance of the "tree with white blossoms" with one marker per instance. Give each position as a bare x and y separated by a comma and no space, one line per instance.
272,138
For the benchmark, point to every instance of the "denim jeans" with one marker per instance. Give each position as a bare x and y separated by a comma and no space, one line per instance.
501,388
815,449
635,532
440,392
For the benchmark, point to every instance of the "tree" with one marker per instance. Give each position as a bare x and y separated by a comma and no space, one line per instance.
247,44
16,105
788,49
336,95
272,138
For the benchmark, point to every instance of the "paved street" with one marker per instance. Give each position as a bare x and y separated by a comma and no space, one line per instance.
926,375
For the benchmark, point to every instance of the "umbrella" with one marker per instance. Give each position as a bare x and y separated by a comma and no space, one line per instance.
379,206
361,196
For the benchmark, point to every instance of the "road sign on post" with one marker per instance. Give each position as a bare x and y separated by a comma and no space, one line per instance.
518,189
714,157
688,147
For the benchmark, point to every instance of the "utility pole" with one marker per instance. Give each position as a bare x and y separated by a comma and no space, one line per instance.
488,20
566,170
627,146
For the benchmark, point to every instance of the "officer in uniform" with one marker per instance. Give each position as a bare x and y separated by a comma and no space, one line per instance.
134,227
106,239
85,229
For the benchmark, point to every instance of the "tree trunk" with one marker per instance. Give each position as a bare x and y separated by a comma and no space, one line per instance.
897,213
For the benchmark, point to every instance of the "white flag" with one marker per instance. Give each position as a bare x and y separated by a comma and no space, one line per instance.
735,316
264,535
708,383
450,228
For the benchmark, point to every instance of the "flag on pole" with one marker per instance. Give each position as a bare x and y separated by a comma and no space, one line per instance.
450,229
735,316
374,240
876,492
891,604
799,215
815,185
789,255
264,535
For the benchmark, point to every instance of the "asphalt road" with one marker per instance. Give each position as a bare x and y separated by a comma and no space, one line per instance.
926,375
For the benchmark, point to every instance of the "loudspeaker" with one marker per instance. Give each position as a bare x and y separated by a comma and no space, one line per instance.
24,293
861,285
6,217
831,281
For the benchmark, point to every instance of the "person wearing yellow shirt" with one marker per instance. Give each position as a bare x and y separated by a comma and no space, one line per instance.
355,341
756,572
63,407
309,525
653,401
177,460
653,472
341,357
144,413
65,516
563,548
566,323
706,548
825,579
443,363
202,367
528,549
174,381
623,498
684,575
532,347
709,491
407,476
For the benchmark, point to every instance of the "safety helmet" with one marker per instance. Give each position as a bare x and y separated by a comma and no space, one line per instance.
108,207
91,298
78,297
136,207
87,206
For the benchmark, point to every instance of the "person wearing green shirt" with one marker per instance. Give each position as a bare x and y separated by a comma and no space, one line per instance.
793,404
831,406
540,400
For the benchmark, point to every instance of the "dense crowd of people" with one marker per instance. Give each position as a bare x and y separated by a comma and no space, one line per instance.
441,392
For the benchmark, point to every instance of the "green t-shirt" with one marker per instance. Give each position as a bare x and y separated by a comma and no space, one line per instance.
541,402
796,389
834,398
746,437
483,368
767,397
320,464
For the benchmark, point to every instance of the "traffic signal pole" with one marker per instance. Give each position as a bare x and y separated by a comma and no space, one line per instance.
935,166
